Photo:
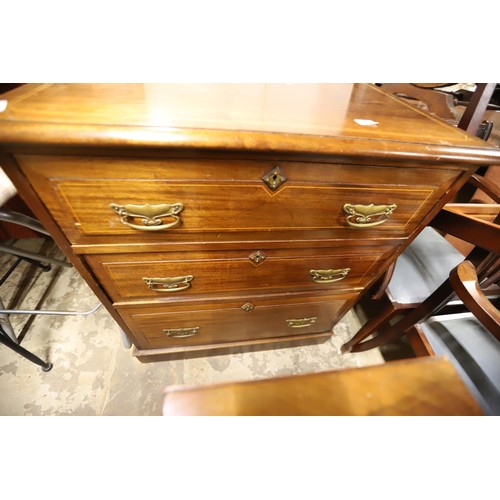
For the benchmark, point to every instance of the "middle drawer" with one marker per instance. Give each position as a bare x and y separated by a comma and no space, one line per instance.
132,277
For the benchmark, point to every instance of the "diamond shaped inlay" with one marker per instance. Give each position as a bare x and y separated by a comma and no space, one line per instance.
274,178
248,307
257,257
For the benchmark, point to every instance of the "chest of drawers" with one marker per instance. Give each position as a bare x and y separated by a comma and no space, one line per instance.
205,216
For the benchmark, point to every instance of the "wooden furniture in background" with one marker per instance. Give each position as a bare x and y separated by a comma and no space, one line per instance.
438,103
474,113
470,340
207,216
426,386
444,105
426,263
416,387
484,234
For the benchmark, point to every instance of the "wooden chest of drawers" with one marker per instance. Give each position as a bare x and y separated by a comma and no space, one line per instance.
205,216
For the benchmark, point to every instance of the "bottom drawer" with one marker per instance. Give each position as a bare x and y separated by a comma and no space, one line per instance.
226,321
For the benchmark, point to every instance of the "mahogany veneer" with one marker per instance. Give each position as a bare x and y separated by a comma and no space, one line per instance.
260,198
429,386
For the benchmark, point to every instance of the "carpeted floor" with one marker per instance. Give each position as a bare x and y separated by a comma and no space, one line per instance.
94,374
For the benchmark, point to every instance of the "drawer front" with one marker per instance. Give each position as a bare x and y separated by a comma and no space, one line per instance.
182,274
253,318
153,198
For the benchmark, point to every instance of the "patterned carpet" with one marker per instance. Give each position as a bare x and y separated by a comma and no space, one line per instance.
94,374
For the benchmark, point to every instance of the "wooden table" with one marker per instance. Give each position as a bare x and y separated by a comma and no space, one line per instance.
425,386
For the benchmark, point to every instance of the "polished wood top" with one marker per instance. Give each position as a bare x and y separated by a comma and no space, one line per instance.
347,119
424,386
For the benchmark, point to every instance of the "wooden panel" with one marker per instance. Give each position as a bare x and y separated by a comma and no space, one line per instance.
415,387
228,196
226,321
483,211
232,271
321,118
229,167
251,207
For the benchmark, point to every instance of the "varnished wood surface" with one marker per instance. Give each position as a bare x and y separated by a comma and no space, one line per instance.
428,386
219,208
228,196
465,282
483,211
483,230
222,321
233,271
232,241
312,118
185,352
81,147
438,103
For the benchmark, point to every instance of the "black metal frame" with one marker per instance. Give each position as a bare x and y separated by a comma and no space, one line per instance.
7,341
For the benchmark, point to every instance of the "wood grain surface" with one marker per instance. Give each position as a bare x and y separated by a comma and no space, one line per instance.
233,271
319,118
228,196
72,150
427,386
225,320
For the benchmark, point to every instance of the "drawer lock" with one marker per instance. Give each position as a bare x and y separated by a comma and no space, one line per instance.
328,275
163,285
275,178
364,215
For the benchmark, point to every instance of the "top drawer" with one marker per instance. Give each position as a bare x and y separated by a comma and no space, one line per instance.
153,199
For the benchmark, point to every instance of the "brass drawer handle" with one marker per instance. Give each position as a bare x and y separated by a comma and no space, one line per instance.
179,333
163,285
329,275
301,323
151,215
362,215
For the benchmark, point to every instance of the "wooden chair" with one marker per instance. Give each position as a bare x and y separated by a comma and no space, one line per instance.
470,340
412,387
428,260
426,263
442,104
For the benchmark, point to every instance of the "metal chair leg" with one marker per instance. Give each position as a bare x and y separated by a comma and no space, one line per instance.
31,255
11,269
6,325
5,340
